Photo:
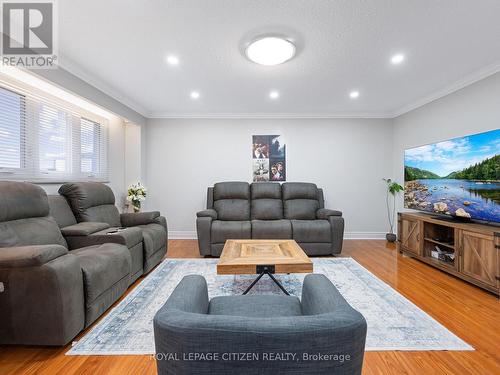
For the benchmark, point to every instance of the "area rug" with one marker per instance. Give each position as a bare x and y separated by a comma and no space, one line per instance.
394,323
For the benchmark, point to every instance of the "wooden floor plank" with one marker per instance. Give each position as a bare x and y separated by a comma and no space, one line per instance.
469,312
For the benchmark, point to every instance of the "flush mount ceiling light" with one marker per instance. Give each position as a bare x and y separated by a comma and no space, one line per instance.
194,95
354,94
173,60
274,94
397,59
270,50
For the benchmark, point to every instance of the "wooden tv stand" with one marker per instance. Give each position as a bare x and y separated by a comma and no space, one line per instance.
467,250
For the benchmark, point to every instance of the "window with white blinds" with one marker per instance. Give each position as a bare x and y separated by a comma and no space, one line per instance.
44,142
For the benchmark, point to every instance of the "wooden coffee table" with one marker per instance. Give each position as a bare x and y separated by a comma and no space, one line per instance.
263,257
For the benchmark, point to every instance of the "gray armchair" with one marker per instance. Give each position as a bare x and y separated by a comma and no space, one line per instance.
320,334
95,202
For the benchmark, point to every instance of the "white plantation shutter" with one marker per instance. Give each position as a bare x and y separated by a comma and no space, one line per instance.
43,141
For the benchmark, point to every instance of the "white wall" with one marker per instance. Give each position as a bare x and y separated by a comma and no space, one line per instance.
346,157
133,154
117,163
473,109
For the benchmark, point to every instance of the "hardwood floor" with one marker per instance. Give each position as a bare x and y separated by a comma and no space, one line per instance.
469,312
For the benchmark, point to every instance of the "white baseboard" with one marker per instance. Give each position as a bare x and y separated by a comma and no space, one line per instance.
191,235
364,236
182,235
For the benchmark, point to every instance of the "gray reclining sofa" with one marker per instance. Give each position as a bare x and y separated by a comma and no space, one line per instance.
326,335
268,210
93,207
48,294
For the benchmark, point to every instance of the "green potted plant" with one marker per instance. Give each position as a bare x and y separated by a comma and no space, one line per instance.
393,188
136,194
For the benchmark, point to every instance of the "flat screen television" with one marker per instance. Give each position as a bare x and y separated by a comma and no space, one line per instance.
459,177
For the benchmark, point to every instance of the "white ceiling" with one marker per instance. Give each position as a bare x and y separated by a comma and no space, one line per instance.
120,47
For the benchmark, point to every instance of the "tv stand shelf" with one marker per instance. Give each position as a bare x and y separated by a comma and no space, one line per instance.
439,243
469,251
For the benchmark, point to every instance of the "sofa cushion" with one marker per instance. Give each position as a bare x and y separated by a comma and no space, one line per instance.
106,274
301,209
232,200
299,190
232,209
107,213
230,230
255,306
154,238
61,211
266,201
311,231
102,266
270,190
266,209
300,200
271,229
21,200
231,190
31,231
91,201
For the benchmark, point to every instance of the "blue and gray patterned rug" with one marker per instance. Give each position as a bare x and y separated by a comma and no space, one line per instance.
394,323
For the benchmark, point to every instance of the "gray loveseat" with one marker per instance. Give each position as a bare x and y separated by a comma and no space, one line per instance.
267,210
93,203
319,334
47,293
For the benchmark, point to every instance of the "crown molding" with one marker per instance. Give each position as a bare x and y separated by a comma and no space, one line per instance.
339,115
458,85
73,68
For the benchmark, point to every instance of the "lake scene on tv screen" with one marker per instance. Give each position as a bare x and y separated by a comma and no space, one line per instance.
459,177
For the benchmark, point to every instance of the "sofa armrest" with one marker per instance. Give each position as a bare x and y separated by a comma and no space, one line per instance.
325,213
203,229
29,256
130,219
84,228
210,212
128,237
337,224
41,304
163,222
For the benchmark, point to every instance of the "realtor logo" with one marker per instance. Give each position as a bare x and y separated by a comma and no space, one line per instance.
28,34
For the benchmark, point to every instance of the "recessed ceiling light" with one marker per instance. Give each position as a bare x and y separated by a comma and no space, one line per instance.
274,94
194,95
270,51
173,60
397,59
354,94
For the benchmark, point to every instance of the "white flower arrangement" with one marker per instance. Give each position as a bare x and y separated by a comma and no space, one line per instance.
136,193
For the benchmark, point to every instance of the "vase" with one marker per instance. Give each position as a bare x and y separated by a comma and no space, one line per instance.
136,205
